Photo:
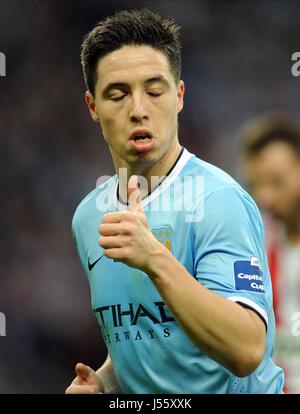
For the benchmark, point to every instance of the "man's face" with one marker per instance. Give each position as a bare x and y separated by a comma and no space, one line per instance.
136,93
274,178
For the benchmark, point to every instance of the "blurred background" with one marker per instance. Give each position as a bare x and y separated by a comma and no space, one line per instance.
236,65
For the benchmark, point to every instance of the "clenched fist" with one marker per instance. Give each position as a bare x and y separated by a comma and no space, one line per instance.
125,235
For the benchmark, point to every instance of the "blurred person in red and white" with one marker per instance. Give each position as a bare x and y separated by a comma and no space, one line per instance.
271,163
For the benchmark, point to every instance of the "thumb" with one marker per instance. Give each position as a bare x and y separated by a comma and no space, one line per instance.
85,373
134,195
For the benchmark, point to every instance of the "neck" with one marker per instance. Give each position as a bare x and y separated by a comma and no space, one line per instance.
158,169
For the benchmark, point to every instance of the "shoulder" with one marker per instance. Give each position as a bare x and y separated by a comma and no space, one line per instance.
222,199
217,184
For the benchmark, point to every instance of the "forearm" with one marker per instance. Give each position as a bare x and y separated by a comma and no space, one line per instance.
221,329
107,376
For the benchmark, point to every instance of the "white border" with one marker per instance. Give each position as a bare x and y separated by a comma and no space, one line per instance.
185,156
252,304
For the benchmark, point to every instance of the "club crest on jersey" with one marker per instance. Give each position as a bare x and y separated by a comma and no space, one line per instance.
165,235
248,275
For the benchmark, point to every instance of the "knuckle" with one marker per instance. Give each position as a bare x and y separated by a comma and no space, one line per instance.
107,217
125,215
126,240
126,228
102,242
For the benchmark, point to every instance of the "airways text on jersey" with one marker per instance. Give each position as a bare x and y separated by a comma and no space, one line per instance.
117,316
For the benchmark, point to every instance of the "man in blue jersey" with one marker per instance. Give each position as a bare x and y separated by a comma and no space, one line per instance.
172,246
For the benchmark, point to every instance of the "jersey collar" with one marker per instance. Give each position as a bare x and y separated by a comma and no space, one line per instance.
173,173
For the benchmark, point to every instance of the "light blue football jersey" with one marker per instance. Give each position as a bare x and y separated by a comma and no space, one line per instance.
213,227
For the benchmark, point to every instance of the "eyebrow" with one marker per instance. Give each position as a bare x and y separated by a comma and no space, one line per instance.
123,85
155,79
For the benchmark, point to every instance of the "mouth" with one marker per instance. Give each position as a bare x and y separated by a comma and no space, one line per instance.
141,135
142,140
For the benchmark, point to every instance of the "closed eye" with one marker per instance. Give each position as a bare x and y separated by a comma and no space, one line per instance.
117,98
155,93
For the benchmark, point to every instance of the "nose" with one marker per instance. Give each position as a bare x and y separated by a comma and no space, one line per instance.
138,111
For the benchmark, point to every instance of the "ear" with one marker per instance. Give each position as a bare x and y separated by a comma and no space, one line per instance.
180,94
90,101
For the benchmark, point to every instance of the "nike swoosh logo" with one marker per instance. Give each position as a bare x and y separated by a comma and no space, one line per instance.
91,265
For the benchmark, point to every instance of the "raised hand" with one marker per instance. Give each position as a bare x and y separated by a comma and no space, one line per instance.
125,235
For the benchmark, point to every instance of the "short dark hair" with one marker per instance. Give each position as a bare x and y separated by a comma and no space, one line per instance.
265,130
130,27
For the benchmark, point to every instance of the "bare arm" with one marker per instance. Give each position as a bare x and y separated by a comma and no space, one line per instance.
223,330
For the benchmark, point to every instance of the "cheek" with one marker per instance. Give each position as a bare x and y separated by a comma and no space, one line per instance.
112,127
105,130
169,117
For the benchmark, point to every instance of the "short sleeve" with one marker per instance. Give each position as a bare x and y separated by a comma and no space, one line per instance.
229,250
